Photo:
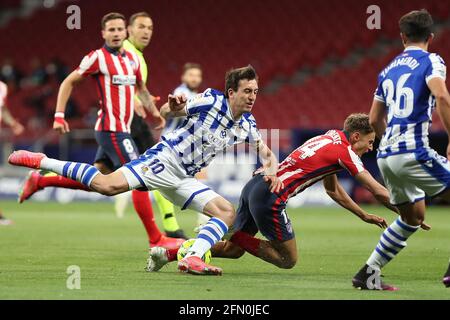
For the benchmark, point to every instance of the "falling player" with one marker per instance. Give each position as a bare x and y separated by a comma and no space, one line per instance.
408,90
215,121
116,72
320,158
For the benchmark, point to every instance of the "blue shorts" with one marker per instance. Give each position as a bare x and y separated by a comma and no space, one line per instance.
115,148
261,210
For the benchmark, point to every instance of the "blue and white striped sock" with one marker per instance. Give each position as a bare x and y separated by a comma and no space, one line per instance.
210,233
392,241
81,172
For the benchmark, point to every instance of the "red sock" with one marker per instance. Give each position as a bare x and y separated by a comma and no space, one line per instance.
172,254
62,182
143,207
246,242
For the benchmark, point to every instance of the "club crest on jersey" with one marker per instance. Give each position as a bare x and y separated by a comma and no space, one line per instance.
144,169
124,80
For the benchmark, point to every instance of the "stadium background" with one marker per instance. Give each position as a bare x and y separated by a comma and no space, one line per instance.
317,62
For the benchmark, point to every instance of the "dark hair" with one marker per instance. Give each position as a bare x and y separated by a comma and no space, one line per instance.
190,65
111,16
358,122
233,77
416,25
138,15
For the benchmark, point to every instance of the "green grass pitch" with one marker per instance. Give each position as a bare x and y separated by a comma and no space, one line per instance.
111,253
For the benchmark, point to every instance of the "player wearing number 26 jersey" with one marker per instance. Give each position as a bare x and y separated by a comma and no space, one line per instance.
408,91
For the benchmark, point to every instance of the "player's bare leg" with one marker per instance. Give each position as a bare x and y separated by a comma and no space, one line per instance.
223,215
282,254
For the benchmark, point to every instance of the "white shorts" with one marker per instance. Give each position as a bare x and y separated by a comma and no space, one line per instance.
159,169
410,177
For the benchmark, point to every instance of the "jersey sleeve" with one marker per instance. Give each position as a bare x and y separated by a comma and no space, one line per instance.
350,161
89,65
436,69
202,102
379,94
253,134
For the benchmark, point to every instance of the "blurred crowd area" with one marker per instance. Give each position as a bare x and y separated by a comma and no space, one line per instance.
317,60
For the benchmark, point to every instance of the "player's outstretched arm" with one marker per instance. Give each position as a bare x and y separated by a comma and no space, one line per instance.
377,117
380,193
174,107
439,90
65,90
340,196
270,166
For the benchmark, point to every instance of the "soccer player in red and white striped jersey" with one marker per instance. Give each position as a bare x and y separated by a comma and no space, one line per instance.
116,73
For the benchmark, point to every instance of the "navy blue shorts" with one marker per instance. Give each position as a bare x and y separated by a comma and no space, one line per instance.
115,148
261,210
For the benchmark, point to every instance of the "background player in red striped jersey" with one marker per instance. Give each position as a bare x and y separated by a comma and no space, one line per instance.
116,73
319,158
16,128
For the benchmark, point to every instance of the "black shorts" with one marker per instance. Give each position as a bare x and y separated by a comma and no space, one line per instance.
141,134
261,210
115,148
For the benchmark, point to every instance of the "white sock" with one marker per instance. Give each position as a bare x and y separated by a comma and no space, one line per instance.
81,172
392,241
210,233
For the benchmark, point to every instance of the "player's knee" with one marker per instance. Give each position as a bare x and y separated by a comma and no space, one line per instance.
288,262
226,212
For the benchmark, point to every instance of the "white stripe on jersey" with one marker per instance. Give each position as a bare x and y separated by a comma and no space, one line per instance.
289,174
105,71
425,141
439,69
87,62
122,94
394,134
132,91
410,137
356,160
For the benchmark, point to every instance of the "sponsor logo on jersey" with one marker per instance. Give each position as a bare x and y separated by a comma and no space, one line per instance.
124,80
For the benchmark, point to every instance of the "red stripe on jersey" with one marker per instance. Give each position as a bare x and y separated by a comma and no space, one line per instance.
117,148
276,219
114,90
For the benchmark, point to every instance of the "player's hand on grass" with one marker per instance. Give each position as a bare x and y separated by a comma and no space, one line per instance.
425,226
373,219
176,103
275,183
61,126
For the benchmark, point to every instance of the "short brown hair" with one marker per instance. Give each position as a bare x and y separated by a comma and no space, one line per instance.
190,65
358,122
416,25
233,77
138,15
111,16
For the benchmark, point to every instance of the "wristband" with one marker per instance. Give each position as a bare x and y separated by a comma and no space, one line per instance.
59,115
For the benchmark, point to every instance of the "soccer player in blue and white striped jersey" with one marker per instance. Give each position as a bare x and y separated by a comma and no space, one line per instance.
215,121
408,91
